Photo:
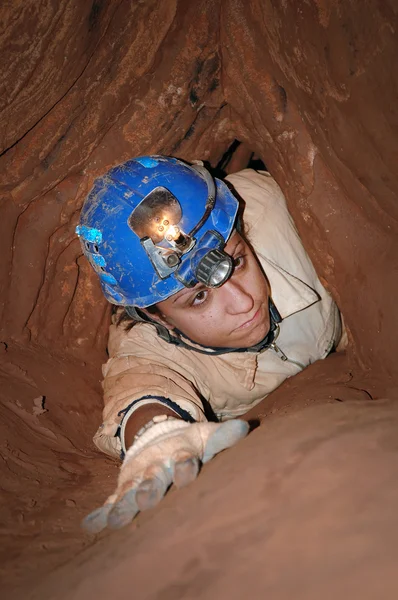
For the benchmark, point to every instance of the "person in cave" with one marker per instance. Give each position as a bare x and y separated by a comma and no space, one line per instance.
216,304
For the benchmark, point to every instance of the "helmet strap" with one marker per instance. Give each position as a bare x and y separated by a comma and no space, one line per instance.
141,317
166,335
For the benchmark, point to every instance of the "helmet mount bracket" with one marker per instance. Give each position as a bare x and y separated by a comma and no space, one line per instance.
164,260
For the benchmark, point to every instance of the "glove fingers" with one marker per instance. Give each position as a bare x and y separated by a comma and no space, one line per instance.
123,511
150,492
97,520
185,471
156,480
227,434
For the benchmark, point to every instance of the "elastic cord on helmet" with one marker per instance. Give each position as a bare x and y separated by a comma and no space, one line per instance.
211,194
166,335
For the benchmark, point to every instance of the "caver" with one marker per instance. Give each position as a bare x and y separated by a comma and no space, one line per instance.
216,304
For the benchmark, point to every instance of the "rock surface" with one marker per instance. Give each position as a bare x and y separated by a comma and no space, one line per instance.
310,87
308,517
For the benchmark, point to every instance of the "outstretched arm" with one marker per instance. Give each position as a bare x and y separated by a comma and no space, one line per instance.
155,417
168,451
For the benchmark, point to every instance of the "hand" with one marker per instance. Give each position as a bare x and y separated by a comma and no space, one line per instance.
169,452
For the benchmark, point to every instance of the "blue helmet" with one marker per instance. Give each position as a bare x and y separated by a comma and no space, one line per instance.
154,225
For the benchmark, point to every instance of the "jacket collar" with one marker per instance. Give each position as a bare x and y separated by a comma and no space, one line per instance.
289,293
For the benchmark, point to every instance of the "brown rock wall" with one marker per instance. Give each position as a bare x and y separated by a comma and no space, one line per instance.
310,87
126,96
307,86
283,523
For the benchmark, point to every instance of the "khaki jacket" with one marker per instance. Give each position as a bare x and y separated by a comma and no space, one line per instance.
142,365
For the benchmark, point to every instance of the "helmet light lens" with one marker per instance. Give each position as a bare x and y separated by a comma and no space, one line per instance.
214,268
221,274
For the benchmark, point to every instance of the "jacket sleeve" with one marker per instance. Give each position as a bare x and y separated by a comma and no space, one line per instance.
129,378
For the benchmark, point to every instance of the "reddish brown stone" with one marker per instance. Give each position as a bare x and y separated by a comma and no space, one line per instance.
308,86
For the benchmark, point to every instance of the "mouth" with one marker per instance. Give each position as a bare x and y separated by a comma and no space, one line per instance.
251,322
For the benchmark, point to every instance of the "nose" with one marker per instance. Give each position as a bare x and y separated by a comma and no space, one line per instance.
237,300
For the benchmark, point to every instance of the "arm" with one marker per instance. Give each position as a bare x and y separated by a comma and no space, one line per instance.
129,379
167,452
141,417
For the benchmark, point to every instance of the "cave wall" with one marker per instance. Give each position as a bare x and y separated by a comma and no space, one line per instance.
102,88
308,85
313,86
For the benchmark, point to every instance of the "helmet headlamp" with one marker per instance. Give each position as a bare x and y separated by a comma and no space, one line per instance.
157,222
214,268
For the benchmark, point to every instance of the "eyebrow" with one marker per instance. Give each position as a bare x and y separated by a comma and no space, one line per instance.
200,286
183,293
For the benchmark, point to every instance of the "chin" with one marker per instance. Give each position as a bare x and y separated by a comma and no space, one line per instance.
253,338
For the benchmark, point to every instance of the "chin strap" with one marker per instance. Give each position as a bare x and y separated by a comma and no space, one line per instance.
166,335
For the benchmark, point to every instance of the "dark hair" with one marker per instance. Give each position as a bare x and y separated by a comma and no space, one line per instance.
123,318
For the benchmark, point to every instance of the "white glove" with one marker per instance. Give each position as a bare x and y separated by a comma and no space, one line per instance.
168,452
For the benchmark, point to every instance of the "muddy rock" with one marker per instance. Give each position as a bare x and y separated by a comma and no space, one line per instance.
305,505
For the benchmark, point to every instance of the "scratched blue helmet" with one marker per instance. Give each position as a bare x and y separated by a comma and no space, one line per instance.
154,225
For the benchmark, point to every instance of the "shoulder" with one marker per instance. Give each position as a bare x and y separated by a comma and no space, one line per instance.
257,188
272,233
266,218
140,338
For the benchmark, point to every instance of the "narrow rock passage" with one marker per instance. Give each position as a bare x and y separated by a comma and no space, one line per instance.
305,504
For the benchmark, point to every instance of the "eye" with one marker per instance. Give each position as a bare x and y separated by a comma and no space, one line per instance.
200,297
239,261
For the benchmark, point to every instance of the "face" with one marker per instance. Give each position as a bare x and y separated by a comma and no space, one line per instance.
235,315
